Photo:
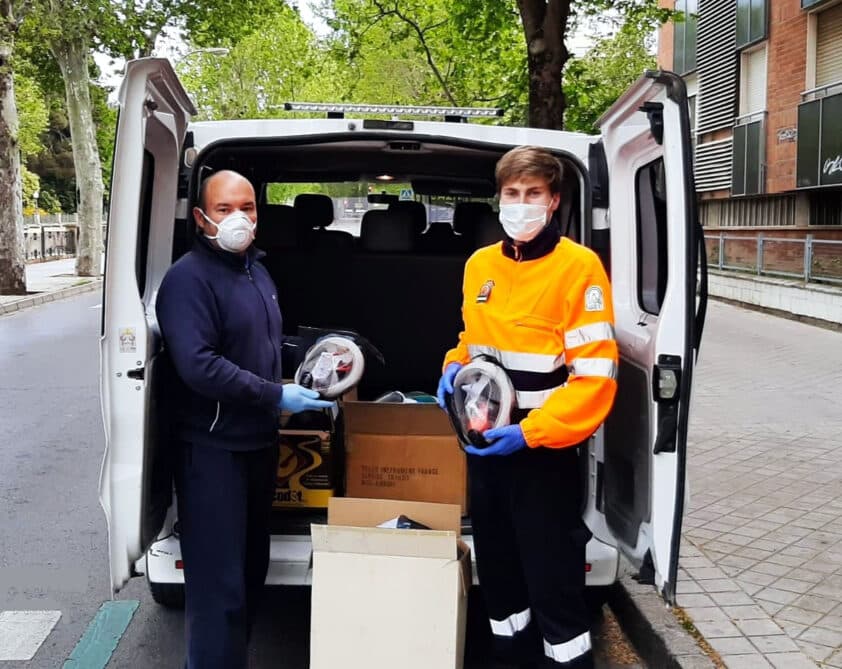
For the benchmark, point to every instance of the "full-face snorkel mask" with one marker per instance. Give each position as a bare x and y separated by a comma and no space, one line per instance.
332,366
483,398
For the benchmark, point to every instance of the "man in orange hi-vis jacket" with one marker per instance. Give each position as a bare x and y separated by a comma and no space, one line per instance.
541,306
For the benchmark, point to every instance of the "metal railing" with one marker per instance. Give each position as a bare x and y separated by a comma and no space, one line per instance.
809,259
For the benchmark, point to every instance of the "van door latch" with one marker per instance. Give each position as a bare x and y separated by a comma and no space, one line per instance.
666,382
136,374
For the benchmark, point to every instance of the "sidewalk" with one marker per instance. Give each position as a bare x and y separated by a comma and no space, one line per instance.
49,281
761,562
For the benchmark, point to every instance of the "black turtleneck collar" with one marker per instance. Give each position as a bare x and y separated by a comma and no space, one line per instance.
253,253
536,248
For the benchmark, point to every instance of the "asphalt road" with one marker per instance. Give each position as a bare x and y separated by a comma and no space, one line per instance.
53,544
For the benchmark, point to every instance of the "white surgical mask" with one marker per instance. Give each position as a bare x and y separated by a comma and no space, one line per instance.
234,233
523,222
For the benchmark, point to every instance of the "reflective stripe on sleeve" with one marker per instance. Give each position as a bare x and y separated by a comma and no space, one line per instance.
594,367
527,362
533,399
515,623
601,331
569,650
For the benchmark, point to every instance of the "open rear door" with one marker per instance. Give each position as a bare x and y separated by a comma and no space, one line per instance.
152,124
655,241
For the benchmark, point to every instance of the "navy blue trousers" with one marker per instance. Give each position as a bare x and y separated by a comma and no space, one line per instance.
224,506
530,549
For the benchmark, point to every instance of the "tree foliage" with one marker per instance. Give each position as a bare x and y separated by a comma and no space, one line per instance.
592,83
33,113
257,76
417,52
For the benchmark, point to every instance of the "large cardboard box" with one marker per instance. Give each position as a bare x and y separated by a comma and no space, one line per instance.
403,452
304,478
386,598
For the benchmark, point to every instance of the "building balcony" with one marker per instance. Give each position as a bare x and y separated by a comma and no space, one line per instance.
819,161
748,155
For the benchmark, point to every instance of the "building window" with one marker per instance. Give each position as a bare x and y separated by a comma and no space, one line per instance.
684,49
751,21
749,130
826,208
753,81
829,47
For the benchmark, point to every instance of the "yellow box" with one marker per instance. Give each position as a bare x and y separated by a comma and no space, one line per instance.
304,470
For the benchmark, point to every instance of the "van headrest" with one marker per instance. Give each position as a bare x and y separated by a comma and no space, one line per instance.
487,230
315,209
467,214
276,227
416,210
387,231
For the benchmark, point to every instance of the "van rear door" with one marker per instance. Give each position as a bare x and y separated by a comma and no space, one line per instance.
655,242
151,128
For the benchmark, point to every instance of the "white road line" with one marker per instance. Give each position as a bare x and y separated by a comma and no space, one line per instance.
23,632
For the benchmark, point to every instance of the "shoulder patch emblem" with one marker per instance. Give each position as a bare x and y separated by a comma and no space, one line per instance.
594,300
485,291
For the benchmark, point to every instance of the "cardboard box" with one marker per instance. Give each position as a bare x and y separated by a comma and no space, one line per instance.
386,598
304,470
403,452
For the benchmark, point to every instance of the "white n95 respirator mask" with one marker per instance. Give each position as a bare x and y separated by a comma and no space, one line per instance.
522,222
234,233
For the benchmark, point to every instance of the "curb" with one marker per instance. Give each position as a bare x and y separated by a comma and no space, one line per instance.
49,296
653,629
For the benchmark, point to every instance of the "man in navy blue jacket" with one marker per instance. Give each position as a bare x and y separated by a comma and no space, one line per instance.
218,313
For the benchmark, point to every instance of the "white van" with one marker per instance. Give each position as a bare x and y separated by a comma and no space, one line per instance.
628,194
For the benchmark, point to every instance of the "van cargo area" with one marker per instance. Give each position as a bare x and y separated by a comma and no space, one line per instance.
371,234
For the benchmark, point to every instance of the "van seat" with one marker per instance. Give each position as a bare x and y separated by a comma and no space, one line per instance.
387,231
315,210
466,215
276,227
416,211
440,238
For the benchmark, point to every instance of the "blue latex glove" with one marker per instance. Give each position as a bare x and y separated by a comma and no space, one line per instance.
298,398
504,441
446,382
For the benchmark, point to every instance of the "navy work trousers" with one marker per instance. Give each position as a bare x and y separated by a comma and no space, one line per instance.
530,550
224,506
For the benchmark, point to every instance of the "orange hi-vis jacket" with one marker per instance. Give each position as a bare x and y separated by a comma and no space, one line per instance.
549,321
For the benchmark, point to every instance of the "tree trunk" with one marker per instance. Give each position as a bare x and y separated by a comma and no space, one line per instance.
12,256
545,27
71,53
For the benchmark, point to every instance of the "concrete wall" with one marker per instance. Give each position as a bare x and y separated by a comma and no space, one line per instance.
794,297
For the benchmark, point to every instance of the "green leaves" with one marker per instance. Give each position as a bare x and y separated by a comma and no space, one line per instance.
592,83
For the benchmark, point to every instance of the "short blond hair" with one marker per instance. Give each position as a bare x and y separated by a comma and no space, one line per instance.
529,161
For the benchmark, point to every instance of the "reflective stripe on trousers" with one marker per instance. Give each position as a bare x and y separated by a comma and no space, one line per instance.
517,622
569,650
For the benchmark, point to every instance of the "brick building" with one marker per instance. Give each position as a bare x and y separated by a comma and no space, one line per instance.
765,84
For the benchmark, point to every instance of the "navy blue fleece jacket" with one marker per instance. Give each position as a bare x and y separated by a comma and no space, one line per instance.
221,324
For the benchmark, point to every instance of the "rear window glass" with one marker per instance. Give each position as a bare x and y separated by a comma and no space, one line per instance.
352,199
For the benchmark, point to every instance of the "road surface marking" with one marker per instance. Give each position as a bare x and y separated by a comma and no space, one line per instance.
23,632
102,636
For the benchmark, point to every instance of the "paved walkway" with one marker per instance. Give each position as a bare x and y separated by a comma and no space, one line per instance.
761,566
48,280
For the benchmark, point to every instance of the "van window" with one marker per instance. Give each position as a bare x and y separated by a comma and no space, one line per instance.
651,235
145,222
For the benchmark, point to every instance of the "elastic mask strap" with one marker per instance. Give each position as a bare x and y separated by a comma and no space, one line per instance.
209,220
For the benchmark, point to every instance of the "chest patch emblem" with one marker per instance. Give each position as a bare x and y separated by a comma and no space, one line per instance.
485,291
594,300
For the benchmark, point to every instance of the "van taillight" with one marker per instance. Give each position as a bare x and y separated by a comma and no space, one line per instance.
179,564
587,567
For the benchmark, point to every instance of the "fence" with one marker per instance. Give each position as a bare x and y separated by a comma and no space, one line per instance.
49,241
818,260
